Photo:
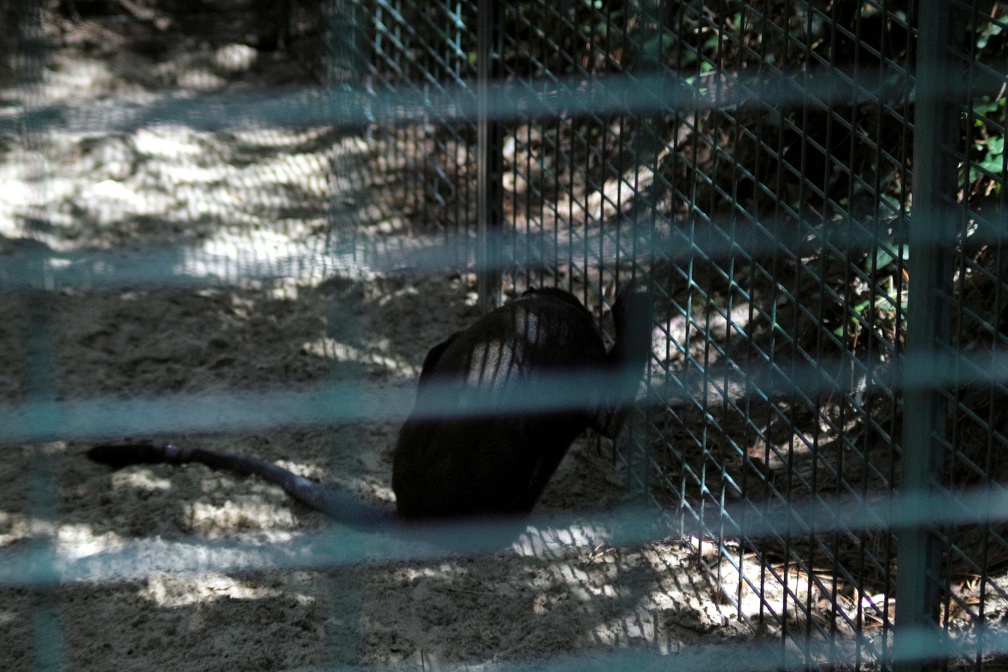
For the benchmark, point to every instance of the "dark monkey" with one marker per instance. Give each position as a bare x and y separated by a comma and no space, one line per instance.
464,462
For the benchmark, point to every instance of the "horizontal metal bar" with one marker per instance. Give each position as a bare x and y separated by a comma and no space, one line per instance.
508,100
341,402
214,264
43,563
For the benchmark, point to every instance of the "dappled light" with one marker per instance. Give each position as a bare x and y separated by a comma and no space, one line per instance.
184,591
235,235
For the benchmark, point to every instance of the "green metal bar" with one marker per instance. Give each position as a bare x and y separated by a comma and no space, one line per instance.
489,159
932,237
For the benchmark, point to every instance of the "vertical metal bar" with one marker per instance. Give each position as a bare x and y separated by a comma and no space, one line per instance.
932,236
43,472
489,158
42,478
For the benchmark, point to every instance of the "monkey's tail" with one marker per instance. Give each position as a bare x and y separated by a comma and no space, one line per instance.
339,506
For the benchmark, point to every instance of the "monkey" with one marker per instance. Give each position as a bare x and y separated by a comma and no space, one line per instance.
451,461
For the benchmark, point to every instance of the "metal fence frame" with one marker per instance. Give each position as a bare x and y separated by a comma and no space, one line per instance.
702,242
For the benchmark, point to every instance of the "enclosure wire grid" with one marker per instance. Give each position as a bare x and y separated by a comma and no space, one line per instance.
730,246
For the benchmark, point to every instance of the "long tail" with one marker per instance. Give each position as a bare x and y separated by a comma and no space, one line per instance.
339,506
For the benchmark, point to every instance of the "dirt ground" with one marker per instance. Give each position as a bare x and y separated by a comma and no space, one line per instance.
222,205
511,605
250,217
515,604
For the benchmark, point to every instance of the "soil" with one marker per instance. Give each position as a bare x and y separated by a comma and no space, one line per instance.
529,601
211,260
228,208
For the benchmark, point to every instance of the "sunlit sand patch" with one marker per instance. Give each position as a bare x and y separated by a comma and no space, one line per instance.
182,591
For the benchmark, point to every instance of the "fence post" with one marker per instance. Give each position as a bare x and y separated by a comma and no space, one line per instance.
32,52
932,244
489,157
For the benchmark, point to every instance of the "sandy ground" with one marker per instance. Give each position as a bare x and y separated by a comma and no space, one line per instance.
220,203
245,214
512,605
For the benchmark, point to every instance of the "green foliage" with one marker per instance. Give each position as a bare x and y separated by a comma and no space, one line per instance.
984,170
880,307
988,144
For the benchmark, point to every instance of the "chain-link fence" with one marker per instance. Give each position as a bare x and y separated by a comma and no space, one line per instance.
244,223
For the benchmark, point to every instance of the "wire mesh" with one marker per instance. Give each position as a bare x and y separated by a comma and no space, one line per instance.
804,205
750,162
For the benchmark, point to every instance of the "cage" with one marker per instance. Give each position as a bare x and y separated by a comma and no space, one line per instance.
242,225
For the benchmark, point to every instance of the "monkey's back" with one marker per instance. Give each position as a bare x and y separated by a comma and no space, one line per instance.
466,463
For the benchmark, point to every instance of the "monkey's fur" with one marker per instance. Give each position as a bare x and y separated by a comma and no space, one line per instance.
465,463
